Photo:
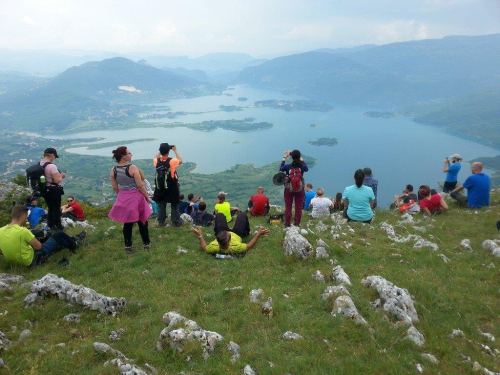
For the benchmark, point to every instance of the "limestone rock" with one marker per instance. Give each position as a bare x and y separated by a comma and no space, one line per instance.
318,276
395,300
345,306
11,279
76,294
4,287
465,244
24,334
415,336
235,351
420,368
444,258
296,244
5,343
321,243
234,289
492,246
421,243
189,331
105,348
456,333
333,291
248,371
116,335
13,191
126,368
267,307
255,294
320,227
2,363
339,276
72,318
289,335
489,336
430,358
321,253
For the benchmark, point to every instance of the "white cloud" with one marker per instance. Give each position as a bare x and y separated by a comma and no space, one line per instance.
400,31
29,21
165,34
211,39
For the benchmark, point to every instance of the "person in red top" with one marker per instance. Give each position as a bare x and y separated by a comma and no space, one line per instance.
431,203
258,205
72,210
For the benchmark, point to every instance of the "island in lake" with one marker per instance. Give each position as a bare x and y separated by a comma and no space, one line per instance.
233,125
98,146
324,142
387,114
295,105
242,99
230,108
314,126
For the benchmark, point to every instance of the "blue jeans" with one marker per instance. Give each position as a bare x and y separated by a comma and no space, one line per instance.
55,243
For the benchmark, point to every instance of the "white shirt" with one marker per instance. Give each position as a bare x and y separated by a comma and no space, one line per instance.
321,207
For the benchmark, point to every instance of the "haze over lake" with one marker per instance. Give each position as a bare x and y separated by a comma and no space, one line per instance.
398,150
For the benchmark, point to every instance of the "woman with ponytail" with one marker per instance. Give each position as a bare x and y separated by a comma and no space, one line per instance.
359,199
132,202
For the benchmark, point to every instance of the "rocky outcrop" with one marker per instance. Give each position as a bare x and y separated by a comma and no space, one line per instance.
52,285
296,244
189,331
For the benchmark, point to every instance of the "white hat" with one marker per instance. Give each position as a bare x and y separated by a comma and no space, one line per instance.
456,156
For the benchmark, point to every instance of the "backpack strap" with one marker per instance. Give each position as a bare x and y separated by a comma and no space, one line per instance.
45,164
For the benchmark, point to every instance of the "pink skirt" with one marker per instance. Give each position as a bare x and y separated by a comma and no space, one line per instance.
130,207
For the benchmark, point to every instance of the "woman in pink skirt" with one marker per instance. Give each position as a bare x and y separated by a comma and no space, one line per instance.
132,203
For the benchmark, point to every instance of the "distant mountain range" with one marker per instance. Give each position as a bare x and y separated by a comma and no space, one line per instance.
89,89
389,75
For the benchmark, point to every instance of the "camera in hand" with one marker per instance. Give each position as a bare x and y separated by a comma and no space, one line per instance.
171,146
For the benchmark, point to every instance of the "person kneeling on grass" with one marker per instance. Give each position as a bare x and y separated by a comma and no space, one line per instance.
229,241
431,203
19,246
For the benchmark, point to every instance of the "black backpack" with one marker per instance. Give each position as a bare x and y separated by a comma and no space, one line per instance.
33,175
115,172
162,175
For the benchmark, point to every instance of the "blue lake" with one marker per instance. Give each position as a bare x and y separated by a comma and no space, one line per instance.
398,150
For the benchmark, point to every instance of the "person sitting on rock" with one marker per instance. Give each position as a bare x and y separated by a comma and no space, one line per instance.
202,217
320,205
431,203
229,241
258,205
310,194
72,210
20,247
478,188
35,213
224,207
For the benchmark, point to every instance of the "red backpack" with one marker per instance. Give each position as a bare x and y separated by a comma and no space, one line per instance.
295,180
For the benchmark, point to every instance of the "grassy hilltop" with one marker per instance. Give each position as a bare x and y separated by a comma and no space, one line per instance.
462,294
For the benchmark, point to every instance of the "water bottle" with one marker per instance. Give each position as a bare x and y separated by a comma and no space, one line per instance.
42,179
223,256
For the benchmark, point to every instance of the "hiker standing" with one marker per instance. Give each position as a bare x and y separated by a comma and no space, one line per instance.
167,184
54,190
132,202
294,185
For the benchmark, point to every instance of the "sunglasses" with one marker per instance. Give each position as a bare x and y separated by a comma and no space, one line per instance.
69,200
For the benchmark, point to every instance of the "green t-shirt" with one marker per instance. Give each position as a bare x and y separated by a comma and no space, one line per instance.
14,242
224,208
235,245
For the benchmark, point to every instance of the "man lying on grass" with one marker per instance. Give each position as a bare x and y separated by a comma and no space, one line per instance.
229,241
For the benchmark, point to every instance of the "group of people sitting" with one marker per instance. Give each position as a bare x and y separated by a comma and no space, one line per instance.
357,203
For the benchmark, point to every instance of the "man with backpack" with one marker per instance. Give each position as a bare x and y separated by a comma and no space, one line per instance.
167,184
44,179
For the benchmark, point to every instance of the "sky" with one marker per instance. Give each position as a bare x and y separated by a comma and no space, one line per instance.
262,28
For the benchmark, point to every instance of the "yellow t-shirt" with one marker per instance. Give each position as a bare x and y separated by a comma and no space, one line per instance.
14,242
224,208
235,245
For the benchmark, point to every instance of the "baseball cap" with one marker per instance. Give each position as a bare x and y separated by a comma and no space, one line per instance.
456,156
51,150
164,148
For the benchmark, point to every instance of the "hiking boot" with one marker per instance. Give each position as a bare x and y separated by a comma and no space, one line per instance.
146,246
79,239
128,249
